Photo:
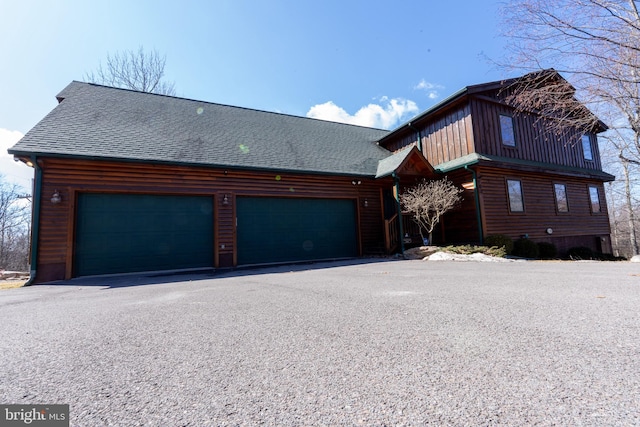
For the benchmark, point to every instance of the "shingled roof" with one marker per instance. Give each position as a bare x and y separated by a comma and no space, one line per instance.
93,121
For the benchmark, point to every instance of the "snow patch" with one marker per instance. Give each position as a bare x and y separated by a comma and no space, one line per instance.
445,256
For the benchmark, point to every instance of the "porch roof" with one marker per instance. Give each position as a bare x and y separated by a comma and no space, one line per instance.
408,161
498,161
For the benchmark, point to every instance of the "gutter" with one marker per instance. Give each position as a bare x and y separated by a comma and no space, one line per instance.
35,221
477,197
419,142
221,166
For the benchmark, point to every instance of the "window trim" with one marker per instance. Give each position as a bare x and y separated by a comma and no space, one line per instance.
594,187
513,131
566,198
586,142
509,203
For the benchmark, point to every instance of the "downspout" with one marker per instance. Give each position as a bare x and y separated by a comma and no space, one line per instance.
477,197
419,144
35,227
396,183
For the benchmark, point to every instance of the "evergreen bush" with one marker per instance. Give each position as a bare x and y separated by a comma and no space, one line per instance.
580,253
499,241
525,248
547,250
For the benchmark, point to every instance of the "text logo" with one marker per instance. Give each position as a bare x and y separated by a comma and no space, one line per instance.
34,415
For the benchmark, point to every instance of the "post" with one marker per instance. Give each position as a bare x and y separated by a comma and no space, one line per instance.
396,188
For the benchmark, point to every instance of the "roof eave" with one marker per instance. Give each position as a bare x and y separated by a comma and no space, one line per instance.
18,153
500,162
439,106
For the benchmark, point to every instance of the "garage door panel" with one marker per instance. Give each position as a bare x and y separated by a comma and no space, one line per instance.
292,229
121,233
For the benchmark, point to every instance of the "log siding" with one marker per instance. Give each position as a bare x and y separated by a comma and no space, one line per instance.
73,176
578,227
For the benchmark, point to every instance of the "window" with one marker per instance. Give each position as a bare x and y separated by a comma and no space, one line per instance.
506,131
561,197
586,147
594,196
516,201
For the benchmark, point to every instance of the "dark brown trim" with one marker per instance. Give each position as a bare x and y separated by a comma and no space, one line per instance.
566,195
506,186
71,235
589,187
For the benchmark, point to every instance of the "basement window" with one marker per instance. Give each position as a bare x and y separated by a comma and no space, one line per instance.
506,131
516,200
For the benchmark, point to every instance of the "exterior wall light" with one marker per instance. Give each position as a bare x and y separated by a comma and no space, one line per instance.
469,185
225,200
356,182
366,203
56,197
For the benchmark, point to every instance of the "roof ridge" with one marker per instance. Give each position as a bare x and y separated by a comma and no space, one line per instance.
228,105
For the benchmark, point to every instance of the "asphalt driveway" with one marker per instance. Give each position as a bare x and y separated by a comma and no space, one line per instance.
356,343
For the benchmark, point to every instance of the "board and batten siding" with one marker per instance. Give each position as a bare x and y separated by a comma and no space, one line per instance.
578,227
533,141
446,136
73,176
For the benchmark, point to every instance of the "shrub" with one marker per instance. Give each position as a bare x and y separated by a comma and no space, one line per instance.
525,248
500,241
580,252
610,257
547,250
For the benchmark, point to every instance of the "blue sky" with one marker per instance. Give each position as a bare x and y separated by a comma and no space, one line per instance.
374,63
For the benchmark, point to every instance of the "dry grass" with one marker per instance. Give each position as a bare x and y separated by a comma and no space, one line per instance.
420,252
12,284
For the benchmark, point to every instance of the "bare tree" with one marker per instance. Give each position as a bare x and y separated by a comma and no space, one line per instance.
14,226
428,201
142,71
595,45
620,196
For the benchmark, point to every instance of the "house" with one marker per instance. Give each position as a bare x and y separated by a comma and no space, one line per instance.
127,181
520,179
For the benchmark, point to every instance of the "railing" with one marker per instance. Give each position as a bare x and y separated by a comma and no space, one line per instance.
409,226
391,233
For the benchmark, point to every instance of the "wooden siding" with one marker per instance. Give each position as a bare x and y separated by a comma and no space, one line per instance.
448,136
533,141
444,137
474,127
540,212
402,142
70,177
460,225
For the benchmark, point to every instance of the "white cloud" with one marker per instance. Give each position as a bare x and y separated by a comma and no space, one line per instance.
432,90
385,115
12,171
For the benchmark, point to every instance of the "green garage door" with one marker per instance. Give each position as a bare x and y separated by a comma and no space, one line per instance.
290,229
123,233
